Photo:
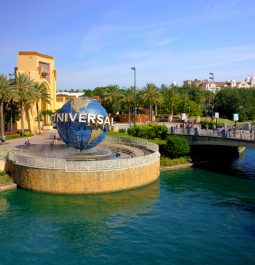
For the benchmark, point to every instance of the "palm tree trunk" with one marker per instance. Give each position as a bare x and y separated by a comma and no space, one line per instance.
38,118
2,116
29,122
150,111
156,109
28,117
129,115
22,119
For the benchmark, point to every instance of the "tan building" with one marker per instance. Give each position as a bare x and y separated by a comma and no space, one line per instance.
40,68
63,97
249,82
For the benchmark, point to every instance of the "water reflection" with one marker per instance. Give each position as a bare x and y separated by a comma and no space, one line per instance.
82,220
204,184
243,166
3,204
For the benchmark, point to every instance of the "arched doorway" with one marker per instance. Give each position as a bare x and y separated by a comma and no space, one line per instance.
45,108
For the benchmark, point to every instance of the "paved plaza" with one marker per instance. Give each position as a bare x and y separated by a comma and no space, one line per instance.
45,137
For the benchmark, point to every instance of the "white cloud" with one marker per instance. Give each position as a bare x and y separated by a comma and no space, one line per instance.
97,37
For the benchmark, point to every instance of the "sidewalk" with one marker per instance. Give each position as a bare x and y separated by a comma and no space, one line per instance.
36,139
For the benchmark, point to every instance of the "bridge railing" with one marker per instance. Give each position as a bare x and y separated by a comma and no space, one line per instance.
220,133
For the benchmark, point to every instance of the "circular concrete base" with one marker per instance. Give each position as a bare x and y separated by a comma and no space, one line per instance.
84,177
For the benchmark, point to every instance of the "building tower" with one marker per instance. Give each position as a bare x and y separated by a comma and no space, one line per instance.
40,68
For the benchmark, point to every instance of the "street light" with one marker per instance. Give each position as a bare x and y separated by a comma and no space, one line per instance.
133,68
211,76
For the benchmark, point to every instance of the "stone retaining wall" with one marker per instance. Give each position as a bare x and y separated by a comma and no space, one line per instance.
60,181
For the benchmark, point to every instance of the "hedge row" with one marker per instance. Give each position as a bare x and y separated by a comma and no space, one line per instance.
17,135
149,131
12,136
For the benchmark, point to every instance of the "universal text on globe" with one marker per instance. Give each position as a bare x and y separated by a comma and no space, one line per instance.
88,118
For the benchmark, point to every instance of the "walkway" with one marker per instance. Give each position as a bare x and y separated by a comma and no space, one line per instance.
216,137
36,139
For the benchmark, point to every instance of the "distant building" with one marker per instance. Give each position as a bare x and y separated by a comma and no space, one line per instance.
213,87
63,97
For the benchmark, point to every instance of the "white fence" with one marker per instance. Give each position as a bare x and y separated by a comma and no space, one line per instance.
228,134
26,159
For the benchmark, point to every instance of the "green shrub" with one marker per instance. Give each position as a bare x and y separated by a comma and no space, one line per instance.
161,131
176,146
12,136
4,177
27,134
122,130
210,124
148,131
131,131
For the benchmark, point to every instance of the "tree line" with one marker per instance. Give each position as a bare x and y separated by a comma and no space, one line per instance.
19,94
174,100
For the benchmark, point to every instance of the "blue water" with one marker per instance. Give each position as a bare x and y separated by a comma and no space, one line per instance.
190,216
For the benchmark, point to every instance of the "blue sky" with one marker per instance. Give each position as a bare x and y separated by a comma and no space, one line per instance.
95,43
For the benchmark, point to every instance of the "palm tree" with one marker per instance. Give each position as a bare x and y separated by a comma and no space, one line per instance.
25,94
152,96
43,95
170,97
112,97
46,113
6,93
127,97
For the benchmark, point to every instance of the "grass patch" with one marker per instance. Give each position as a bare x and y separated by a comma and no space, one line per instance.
166,161
157,141
4,177
110,133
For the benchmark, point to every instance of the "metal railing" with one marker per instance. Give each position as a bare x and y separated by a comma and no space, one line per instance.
24,158
132,141
218,133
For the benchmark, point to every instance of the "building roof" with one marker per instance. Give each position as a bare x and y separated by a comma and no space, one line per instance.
37,54
77,94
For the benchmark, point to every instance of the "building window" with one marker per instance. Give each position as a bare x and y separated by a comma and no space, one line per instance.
45,71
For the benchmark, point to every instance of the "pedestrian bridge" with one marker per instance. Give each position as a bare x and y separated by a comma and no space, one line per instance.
215,137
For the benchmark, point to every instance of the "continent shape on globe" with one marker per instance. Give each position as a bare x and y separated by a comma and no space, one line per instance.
82,135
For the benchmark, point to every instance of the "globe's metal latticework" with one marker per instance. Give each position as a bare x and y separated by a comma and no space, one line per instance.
82,135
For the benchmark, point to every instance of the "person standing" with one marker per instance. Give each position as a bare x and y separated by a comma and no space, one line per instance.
3,138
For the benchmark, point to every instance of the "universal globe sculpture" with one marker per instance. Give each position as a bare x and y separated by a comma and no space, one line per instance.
116,164
82,123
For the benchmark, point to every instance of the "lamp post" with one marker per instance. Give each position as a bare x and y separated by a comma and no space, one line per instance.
211,76
12,77
133,68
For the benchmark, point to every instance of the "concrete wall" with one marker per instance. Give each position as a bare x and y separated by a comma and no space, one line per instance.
60,181
3,165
